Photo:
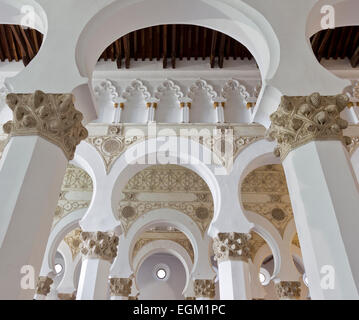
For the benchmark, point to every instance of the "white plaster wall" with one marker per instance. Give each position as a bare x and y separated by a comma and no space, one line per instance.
150,288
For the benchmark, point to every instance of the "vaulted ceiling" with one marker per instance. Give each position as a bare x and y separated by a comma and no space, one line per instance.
170,43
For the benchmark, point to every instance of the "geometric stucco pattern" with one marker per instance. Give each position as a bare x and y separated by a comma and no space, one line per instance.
76,192
115,141
166,186
175,236
264,191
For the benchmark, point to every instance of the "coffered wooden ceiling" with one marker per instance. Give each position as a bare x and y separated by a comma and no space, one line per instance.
170,43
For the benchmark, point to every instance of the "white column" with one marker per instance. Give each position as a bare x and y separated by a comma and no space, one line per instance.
323,190
120,288
232,253
44,134
98,250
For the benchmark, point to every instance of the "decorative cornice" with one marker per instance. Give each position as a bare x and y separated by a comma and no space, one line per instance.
120,287
204,288
202,85
288,290
302,119
43,285
51,116
232,246
99,245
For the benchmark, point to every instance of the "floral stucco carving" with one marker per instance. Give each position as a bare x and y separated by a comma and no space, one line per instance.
166,180
264,191
175,236
99,245
120,287
73,240
44,285
204,288
255,243
76,192
288,290
302,119
232,246
51,116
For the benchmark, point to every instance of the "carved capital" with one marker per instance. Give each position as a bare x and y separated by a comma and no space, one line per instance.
232,246
51,116
120,287
43,285
303,119
288,290
99,245
204,288
67,296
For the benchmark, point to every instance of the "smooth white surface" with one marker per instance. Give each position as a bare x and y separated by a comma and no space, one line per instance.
325,199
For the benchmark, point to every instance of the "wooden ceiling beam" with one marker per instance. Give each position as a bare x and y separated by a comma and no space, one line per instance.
173,54
21,42
189,42
347,43
196,42
150,41
29,44
12,43
354,60
4,43
143,45
213,48
204,46
126,48
323,46
221,50
164,55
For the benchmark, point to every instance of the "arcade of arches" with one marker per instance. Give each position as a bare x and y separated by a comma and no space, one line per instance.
185,153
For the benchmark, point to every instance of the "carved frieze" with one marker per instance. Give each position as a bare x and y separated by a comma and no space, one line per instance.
288,290
204,288
43,285
302,119
99,245
51,116
120,287
73,240
232,246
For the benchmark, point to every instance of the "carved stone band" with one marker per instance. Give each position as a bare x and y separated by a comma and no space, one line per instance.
99,245
120,287
43,285
302,119
288,290
204,288
51,116
232,246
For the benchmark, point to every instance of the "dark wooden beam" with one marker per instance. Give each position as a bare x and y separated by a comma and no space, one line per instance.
4,43
221,50
213,48
164,55
12,43
347,43
119,58
29,44
228,47
173,54
333,43
126,48
355,42
196,42
189,42
204,45
143,44
135,45
2,56
181,45
354,60
21,42
157,42
150,41
316,42
323,46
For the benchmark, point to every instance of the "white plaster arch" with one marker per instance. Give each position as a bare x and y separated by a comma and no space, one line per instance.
255,155
121,267
164,246
239,20
59,231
